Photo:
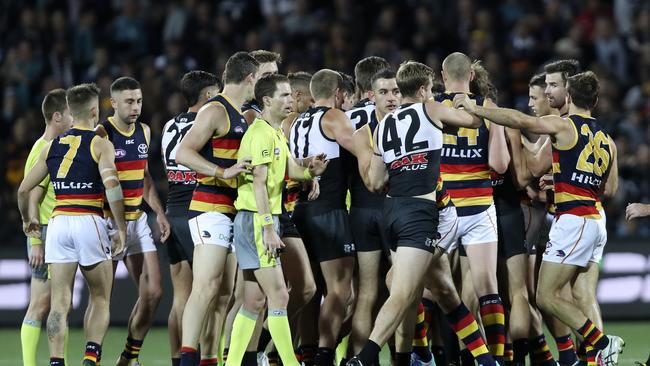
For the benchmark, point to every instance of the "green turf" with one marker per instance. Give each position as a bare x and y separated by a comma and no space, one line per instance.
156,348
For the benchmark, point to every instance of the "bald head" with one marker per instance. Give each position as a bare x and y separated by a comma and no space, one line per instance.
324,84
457,67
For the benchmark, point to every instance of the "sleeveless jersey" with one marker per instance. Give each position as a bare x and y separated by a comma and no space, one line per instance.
307,139
410,144
362,114
74,174
180,178
578,170
212,193
464,164
252,104
131,155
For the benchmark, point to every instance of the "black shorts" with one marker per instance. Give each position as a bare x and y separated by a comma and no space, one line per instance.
180,246
287,227
366,222
512,233
325,231
410,222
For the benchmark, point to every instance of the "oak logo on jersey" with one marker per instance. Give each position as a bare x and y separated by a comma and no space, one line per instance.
411,162
181,177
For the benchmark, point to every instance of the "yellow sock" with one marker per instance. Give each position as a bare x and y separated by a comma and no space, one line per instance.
242,331
30,333
342,349
65,348
281,335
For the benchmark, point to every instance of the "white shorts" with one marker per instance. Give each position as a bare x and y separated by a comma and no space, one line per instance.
480,228
82,239
139,238
212,228
448,229
576,240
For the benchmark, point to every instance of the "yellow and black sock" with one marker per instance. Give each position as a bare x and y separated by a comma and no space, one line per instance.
466,328
209,361
593,335
176,361
493,319
566,350
132,348
420,341
93,350
508,353
540,352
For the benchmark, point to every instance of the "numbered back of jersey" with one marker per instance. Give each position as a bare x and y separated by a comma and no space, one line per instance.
408,131
307,137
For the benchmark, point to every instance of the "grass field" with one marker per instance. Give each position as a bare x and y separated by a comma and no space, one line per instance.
156,348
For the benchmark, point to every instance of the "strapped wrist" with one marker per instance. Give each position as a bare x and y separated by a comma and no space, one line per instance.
307,174
267,219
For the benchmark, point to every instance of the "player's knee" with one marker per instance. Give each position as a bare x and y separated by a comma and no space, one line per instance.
254,304
545,298
308,292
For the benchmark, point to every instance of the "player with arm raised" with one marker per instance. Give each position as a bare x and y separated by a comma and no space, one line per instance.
78,162
582,156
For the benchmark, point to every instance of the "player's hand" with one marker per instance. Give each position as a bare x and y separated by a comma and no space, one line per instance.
37,256
235,170
463,101
636,210
272,242
546,182
315,190
118,243
164,226
32,228
318,164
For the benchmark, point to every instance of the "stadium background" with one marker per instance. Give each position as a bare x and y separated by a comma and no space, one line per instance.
46,44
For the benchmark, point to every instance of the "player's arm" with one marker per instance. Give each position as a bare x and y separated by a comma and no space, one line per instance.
150,196
363,144
210,120
337,126
451,116
105,153
250,115
498,155
316,167
522,175
611,179
31,225
539,157
376,176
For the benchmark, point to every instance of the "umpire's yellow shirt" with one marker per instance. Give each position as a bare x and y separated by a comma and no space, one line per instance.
47,202
265,146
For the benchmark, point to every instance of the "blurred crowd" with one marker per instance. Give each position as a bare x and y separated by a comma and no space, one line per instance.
45,44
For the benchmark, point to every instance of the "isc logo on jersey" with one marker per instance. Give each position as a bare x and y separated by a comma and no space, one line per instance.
411,163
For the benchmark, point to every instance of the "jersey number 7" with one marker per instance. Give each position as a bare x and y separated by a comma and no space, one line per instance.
74,142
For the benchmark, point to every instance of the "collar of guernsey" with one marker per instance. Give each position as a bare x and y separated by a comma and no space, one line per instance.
47,203
577,177
215,194
131,155
265,145
464,164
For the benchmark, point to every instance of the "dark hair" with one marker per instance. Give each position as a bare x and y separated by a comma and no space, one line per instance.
566,68
78,98
365,69
54,101
348,83
324,83
300,79
538,80
481,84
583,89
194,82
411,76
238,66
267,85
382,74
124,83
264,56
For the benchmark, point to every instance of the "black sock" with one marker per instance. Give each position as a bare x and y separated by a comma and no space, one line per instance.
250,359
369,353
324,356
54,361
344,361
176,361
189,356
439,354
423,353
519,350
265,338
403,359
466,357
